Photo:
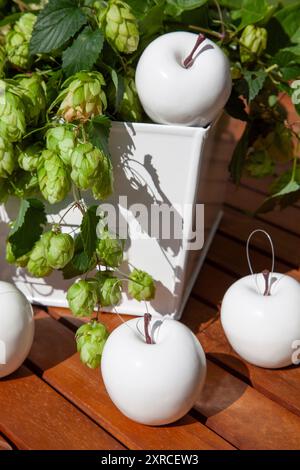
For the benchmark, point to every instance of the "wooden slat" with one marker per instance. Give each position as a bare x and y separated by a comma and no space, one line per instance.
34,416
4,445
244,199
239,226
82,386
229,405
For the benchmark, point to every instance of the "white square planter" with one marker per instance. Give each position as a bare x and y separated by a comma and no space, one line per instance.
160,167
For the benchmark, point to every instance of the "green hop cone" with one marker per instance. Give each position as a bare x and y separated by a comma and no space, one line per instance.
11,259
12,113
90,339
61,140
38,264
86,161
8,161
130,108
61,250
53,177
34,91
141,285
2,59
82,298
109,249
253,43
28,159
17,41
120,26
109,289
82,97
103,186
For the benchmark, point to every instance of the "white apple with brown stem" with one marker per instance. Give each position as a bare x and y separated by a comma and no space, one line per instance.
183,78
153,377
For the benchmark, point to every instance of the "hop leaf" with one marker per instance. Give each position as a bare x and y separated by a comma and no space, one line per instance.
141,285
17,41
61,250
83,97
86,162
28,159
61,140
109,250
12,113
53,177
8,161
82,298
120,26
109,289
38,263
90,339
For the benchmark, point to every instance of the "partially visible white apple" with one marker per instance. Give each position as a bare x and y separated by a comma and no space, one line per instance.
170,93
16,328
157,383
262,328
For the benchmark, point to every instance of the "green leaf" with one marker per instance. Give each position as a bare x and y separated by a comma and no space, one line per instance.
56,24
88,230
260,164
98,130
238,159
119,85
253,11
27,228
176,7
289,19
255,81
84,51
152,21
10,19
290,73
235,107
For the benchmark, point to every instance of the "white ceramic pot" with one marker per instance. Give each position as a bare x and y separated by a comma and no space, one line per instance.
157,383
173,94
16,328
262,328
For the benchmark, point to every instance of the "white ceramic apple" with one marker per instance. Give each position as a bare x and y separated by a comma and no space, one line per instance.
16,328
261,318
172,93
157,383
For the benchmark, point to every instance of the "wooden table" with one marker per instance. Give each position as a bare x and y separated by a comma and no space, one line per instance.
55,402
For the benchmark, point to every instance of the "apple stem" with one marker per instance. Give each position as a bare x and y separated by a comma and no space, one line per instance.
147,319
189,60
266,275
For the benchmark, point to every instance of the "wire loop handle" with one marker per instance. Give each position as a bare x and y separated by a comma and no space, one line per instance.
272,248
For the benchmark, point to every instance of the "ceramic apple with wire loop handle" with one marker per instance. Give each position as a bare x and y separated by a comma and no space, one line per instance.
260,315
153,369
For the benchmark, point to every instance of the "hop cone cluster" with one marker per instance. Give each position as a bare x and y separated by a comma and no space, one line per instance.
109,289
53,176
7,158
120,26
38,265
90,339
61,140
103,186
28,159
12,113
34,94
86,164
60,250
254,40
141,285
82,97
17,41
82,298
